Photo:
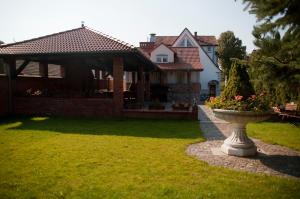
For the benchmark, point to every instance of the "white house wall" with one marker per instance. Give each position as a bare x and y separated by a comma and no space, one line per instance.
210,72
162,49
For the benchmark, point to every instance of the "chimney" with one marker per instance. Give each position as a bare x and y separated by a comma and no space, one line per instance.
152,37
195,34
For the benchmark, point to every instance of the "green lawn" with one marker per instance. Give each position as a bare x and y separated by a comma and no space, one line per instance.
285,134
78,158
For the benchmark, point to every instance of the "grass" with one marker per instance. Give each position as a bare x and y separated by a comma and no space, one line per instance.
285,134
79,158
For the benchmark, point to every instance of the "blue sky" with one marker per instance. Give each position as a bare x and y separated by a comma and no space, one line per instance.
128,20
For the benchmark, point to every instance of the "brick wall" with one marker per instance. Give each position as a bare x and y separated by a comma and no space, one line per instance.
78,107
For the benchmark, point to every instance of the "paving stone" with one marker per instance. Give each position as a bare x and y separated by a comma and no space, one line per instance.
270,159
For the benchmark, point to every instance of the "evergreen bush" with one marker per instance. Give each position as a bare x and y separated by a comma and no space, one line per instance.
238,82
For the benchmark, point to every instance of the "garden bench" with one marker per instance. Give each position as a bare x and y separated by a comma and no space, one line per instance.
290,112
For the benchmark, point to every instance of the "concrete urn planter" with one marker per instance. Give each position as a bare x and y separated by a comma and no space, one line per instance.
238,143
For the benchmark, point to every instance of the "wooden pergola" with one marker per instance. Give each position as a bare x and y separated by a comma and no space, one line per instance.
79,51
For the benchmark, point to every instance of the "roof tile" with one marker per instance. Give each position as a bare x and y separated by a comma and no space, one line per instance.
72,41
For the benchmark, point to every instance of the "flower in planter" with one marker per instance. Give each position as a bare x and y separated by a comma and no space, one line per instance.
238,97
239,94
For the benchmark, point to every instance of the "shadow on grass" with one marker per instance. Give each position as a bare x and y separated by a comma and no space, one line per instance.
284,164
120,127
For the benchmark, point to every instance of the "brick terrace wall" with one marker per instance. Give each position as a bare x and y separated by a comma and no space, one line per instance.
78,107
160,114
3,95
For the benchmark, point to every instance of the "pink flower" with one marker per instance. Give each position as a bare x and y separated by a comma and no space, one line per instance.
212,99
238,97
253,97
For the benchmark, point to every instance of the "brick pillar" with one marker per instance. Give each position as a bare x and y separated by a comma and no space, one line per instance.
11,71
43,69
118,85
140,85
147,86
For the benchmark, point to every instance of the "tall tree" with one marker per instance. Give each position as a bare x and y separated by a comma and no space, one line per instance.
275,66
229,47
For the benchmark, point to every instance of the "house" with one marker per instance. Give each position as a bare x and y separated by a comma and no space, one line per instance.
188,66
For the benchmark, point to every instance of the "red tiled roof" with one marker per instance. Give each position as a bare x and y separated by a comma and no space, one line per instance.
207,40
202,40
72,41
186,59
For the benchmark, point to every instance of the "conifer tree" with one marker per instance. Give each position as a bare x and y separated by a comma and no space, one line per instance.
275,65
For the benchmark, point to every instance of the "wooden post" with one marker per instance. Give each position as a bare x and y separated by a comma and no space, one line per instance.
140,85
97,76
11,71
43,69
190,90
133,77
147,85
118,85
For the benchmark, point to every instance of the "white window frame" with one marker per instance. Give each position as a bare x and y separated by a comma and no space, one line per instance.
162,58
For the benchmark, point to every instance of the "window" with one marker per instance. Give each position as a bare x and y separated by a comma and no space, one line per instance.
185,43
162,58
209,49
188,43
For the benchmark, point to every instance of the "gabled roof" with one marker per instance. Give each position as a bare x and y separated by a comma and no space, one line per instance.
168,47
79,40
202,40
186,59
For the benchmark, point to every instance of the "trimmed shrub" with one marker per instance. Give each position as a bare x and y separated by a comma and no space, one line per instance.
238,82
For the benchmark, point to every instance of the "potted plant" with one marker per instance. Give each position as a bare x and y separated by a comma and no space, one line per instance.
239,105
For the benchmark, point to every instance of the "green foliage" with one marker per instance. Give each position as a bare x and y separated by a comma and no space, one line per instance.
275,66
238,82
229,47
96,158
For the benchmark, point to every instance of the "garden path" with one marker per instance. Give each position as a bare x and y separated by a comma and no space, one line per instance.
270,159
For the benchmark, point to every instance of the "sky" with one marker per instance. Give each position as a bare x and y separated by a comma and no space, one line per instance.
128,20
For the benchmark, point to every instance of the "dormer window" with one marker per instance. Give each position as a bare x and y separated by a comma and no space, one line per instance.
209,48
161,58
185,42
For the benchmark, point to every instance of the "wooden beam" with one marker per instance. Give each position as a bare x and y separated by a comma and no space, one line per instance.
21,67
43,69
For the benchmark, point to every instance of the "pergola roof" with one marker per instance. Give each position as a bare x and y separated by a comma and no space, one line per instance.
79,40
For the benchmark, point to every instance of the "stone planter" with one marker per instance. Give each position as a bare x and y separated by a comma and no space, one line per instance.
238,143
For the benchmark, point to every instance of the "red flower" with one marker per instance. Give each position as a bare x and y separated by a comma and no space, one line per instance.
238,97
